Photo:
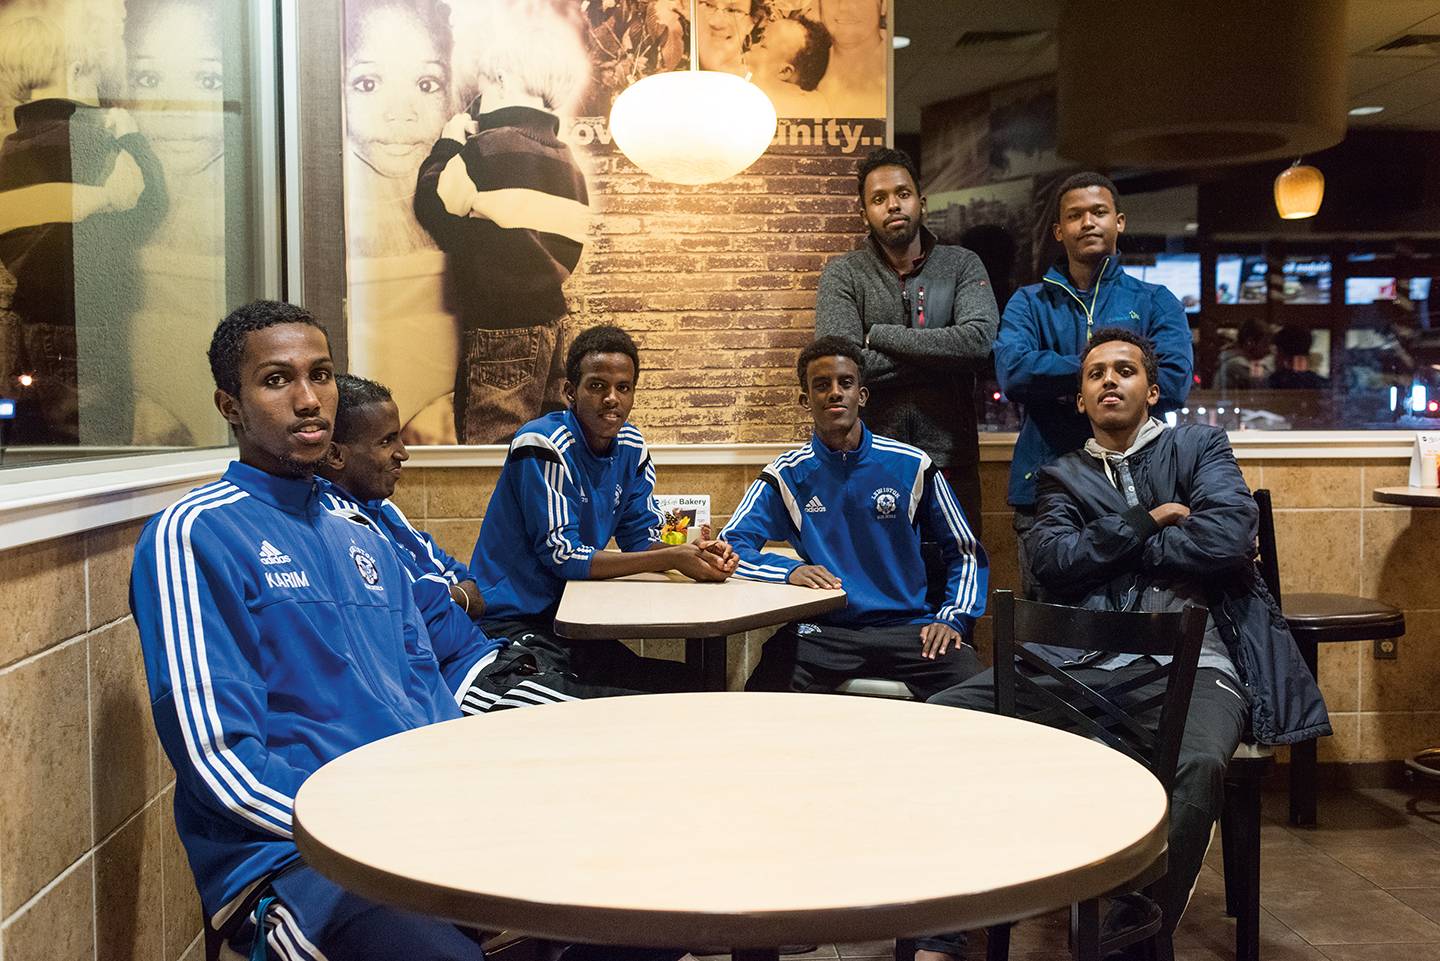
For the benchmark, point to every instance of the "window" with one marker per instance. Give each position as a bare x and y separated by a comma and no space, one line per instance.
131,217
1322,322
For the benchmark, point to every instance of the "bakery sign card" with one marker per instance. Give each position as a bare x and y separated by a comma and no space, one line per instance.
685,515
1425,460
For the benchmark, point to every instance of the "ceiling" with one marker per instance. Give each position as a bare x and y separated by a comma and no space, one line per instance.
932,69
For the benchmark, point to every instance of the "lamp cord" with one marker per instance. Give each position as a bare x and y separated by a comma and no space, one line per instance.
694,36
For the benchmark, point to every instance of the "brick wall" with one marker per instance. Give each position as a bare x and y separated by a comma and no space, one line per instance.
90,866
717,284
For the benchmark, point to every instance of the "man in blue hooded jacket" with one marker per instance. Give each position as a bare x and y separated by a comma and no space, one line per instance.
1047,326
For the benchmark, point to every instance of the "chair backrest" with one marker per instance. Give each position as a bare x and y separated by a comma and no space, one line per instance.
1269,560
1030,687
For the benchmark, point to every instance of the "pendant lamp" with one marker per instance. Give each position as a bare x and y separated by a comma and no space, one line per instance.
1299,189
692,126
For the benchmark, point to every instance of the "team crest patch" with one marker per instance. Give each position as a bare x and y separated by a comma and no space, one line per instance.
365,564
886,501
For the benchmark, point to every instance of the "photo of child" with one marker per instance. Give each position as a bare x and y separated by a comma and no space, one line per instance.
401,329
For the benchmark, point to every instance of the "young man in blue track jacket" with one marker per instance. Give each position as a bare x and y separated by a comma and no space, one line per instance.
363,467
572,480
276,637
855,506
1046,327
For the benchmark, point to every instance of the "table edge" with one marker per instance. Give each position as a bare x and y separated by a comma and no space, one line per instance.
588,631
1403,497
656,928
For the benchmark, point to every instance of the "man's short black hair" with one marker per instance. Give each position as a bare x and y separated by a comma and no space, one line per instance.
813,59
885,157
1085,178
1106,335
828,347
227,344
356,393
1292,341
603,339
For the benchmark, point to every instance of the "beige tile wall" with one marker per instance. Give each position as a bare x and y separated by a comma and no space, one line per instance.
90,866
1331,537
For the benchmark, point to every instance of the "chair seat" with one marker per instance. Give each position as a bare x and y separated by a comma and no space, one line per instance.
1341,617
875,687
1248,752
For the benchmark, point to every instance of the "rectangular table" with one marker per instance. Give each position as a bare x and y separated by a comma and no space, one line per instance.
672,605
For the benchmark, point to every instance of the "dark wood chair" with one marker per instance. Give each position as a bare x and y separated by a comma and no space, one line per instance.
1027,686
1240,843
1317,619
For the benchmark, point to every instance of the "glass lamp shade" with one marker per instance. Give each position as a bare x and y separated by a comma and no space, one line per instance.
1298,192
692,126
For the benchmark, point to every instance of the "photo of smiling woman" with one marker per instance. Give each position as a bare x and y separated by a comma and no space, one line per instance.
402,332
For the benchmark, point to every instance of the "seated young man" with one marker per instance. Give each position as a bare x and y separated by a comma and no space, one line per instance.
572,480
855,506
276,637
1151,518
363,467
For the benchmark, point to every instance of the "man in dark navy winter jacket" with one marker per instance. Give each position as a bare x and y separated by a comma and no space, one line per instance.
1047,326
1149,518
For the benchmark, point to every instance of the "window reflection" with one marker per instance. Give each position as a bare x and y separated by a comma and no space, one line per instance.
124,233
1317,324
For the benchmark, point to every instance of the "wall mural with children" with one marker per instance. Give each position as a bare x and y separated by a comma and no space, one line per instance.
489,216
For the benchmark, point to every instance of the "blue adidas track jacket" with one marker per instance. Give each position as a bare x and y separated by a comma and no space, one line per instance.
861,514
461,646
276,636
555,505
418,550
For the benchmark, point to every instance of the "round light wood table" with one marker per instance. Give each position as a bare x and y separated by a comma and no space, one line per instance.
750,820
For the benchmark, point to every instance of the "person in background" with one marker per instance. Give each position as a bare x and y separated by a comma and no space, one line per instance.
1248,363
278,636
854,82
1047,326
786,60
572,480
925,316
1292,362
855,506
1149,518
505,198
363,468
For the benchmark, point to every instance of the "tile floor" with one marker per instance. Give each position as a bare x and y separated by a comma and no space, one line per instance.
1362,886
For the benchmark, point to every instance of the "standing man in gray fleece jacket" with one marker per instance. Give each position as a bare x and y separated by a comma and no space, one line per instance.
925,315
